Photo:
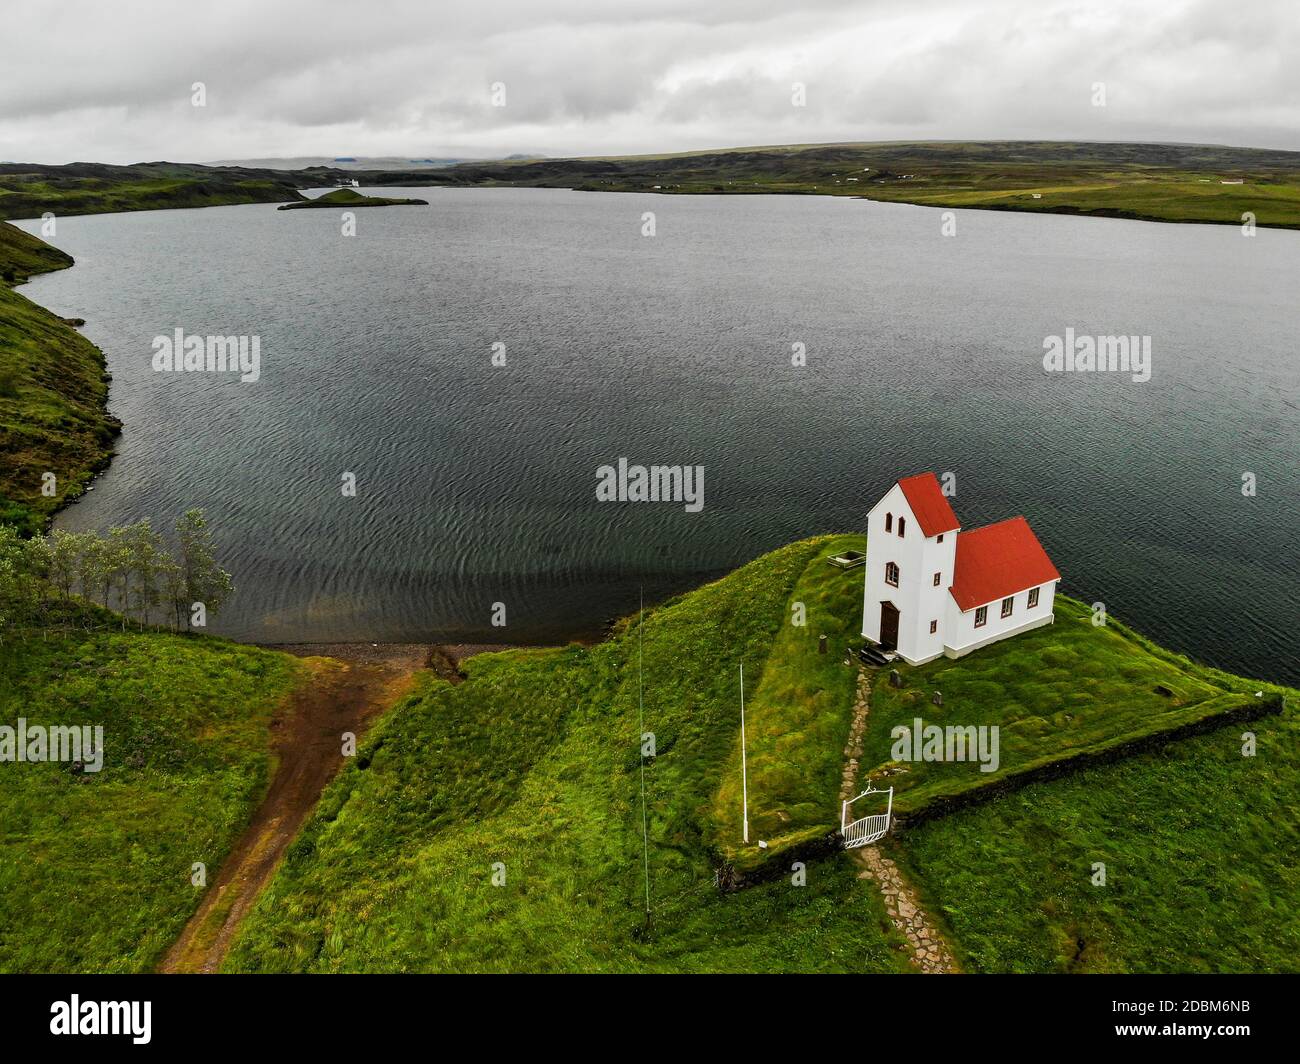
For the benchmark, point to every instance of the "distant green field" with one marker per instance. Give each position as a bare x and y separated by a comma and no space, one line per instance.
95,867
53,393
1159,182
1200,851
1157,196
534,762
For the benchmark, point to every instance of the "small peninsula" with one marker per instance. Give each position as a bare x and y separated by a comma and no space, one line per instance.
346,197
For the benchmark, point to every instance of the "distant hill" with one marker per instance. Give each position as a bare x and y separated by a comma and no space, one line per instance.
28,190
1157,182
378,162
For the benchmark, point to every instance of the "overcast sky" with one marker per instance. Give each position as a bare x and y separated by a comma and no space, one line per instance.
112,81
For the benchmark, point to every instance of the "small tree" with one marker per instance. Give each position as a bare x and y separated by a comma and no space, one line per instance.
23,587
204,580
142,558
118,565
172,579
35,580
95,570
65,560
10,547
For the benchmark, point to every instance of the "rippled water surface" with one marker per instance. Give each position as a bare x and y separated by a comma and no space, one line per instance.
476,484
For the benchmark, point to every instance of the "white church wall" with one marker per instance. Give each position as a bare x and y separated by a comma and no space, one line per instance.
884,547
932,601
962,636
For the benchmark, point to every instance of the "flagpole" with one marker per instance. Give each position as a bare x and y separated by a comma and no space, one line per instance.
744,769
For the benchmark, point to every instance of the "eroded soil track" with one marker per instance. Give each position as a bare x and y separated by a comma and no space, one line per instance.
348,689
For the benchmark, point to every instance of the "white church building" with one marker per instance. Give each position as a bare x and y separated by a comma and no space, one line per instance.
933,589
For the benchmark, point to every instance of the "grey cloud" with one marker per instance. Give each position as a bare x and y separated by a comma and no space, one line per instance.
112,82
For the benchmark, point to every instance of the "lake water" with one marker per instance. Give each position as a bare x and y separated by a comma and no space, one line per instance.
476,483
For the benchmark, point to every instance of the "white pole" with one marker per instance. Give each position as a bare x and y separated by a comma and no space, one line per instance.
640,711
744,770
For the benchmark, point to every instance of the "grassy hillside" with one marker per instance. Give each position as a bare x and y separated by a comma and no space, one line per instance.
28,190
496,824
534,762
1199,845
53,393
1160,182
23,255
95,867
531,768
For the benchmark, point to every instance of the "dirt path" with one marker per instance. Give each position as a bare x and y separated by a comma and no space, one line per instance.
926,946
352,683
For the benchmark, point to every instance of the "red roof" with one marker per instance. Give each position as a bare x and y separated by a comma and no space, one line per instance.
999,560
928,504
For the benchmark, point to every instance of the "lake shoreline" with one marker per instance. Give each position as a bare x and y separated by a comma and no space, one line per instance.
82,443
434,604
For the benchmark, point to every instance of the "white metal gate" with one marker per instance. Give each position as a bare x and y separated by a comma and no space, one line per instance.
866,829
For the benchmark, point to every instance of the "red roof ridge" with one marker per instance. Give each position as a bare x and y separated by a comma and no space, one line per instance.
994,524
929,505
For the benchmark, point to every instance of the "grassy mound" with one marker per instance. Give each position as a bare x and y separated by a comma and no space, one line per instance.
95,866
347,197
531,770
1055,692
53,394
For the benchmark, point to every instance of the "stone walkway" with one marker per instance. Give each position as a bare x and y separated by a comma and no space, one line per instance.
853,750
928,950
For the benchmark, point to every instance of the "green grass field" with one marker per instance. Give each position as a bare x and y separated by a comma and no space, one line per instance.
53,394
1199,844
797,718
534,762
95,867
